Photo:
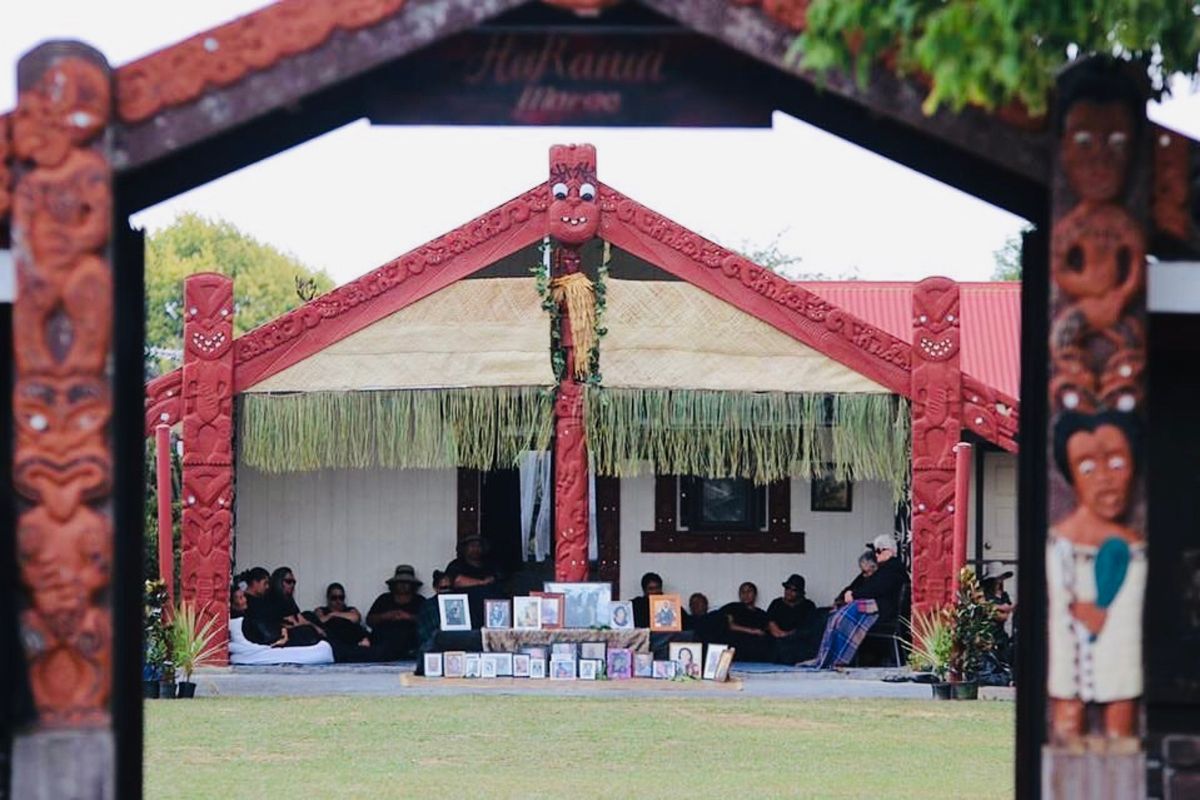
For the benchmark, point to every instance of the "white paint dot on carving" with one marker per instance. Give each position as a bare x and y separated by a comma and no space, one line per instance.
191,500
950,318
979,420
950,508
1164,140
1126,403
1070,400
164,416
920,506
81,119
193,311
924,318
38,422
211,45
1125,370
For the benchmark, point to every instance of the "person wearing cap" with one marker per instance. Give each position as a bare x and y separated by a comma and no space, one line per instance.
788,617
993,590
885,585
393,615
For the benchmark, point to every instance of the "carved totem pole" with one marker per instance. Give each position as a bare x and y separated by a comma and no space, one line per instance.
1096,547
205,560
936,429
574,218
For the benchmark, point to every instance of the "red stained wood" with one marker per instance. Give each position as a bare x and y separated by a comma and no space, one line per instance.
469,488
710,542
608,528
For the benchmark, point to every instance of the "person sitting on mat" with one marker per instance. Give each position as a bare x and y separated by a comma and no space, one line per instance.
393,616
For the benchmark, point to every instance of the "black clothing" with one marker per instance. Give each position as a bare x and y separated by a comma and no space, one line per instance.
395,639
748,646
745,616
853,588
641,612
260,625
460,566
790,618
338,629
884,588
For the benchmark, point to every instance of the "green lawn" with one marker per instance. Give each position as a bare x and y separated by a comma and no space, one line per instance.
533,747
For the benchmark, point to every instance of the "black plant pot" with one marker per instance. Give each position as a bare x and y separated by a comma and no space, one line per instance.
166,690
966,690
942,691
150,690
187,689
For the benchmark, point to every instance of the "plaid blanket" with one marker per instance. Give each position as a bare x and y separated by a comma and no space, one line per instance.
845,631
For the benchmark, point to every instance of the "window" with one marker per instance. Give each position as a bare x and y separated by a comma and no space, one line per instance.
725,504
729,515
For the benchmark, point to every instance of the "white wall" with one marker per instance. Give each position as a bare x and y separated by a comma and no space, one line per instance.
833,542
351,526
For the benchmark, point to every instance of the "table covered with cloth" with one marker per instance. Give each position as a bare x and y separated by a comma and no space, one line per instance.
507,640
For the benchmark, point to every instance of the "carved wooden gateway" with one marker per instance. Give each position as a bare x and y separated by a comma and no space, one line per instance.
86,147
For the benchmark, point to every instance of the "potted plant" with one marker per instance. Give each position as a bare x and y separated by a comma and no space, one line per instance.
156,653
932,647
974,634
192,644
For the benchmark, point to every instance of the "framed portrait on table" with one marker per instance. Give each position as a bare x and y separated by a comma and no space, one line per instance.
471,665
454,664
487,665
527,613
712,659
593,650
665,613
588,669
620,615
552,610
568,649
504,665
586,604
643,665
537,668
689,656
521,664
664,670
455,612
562,668
830,494
620,664
433,665
497,614
724,664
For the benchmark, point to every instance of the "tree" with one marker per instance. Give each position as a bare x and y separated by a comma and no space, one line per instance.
1008,259
992,52
772,256
267,281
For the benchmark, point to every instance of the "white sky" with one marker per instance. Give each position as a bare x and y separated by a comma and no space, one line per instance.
359,196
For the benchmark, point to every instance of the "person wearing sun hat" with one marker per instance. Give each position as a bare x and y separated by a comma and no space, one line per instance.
393,615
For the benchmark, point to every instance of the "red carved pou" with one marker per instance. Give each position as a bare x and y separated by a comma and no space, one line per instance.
574,213
62,218
207,388
936,428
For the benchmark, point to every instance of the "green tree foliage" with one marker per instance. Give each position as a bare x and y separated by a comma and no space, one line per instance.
990,52
772,256
1008,259
266,280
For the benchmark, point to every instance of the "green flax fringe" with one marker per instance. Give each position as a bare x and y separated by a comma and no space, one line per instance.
480,428
764,436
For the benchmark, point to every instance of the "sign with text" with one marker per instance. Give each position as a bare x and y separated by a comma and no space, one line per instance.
627,79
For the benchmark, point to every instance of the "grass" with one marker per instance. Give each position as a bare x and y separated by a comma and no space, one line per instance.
526,747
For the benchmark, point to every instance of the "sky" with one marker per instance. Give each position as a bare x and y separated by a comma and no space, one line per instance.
361,195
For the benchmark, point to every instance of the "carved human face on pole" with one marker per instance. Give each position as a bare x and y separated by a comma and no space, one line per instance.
574,213
209,316
1101,463
1097,139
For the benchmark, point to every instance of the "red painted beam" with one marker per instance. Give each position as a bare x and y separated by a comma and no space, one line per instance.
166,542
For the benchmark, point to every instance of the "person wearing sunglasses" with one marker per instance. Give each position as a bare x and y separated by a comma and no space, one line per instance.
342,622
282,608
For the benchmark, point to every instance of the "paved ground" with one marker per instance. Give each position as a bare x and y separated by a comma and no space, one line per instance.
396,679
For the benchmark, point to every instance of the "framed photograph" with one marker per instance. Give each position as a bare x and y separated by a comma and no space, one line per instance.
454,664
433,665
712,658
521,664
562,668
620,615
664,670
586,603
527,613
537,668
471,665
689,656
504,665
665,612
588,668
455,612
595,650
829,494
487,666
569,649
620,664
537,651
497,614
552,609
643,665
724,665
722,504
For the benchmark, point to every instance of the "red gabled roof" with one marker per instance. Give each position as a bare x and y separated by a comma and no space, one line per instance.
991,321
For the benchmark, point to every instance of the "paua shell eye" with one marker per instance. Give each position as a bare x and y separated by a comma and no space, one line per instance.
560,191
587,192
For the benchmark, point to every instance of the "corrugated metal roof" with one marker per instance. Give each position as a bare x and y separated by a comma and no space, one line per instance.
990,329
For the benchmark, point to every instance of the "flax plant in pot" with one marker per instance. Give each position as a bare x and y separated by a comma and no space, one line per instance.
933,646
192,644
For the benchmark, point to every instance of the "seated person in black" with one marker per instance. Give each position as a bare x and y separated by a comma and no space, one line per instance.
342,622
238,604
867,566
789,621
652,583
260,623
281,604
474,574
746,626
993,590
393,616
885,584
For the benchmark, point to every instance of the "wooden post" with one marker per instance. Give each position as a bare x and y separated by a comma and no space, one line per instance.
62,226
166,526
1096,561
962,491
205,558
936,428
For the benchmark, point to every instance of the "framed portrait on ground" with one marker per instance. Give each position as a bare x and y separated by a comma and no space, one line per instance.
487,665
724,665
504,665
568,649
455,612
520,665
643,665
588,669
562,668
454,664
552,610
433,665
594,650
664,670
689,656
665,612
537,668
586,603
620,615
830,494
620,664
497,614
471,665
527,613
712,658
